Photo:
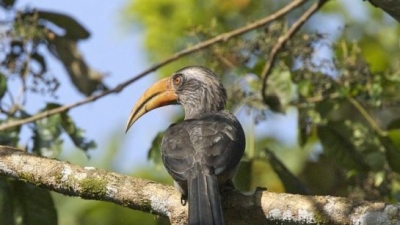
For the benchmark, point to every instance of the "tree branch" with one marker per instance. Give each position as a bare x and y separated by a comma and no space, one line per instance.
202,45
260,207
282,41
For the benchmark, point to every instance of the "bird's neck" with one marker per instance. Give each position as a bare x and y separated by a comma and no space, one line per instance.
203,102
197,111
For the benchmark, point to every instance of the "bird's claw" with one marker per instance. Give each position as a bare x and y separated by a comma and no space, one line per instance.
183,200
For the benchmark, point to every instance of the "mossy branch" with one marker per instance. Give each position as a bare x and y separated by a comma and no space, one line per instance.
260,207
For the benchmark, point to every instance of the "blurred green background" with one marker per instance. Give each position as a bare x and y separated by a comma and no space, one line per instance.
330,124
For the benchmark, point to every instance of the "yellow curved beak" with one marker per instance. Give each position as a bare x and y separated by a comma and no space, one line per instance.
159,94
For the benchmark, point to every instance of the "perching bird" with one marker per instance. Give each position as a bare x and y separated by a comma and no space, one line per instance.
201,153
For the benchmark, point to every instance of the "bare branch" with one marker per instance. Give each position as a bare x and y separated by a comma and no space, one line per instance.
220,38
261,207
282,41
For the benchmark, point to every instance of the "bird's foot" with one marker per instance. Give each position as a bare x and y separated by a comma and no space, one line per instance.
183,200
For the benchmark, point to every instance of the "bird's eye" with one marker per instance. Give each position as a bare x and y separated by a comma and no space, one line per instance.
178,80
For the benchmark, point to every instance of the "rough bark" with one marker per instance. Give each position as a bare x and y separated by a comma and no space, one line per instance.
391,7
260,207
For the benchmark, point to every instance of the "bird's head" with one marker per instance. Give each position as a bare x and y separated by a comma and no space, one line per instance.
196,88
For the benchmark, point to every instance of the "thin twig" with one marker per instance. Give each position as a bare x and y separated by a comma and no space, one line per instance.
366,116
282,41
220,38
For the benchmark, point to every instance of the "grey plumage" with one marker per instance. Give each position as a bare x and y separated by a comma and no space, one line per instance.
202,152
201,91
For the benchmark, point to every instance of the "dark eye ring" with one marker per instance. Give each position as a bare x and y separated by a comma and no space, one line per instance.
177,80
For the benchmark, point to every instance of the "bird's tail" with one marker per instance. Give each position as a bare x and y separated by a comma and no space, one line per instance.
204,201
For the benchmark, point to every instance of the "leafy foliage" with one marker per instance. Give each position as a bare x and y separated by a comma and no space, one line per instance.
345,91
23,203
6,209
47,134
35,206
22,60
32,30
154,154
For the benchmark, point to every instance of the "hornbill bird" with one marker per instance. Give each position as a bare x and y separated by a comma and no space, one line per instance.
201,152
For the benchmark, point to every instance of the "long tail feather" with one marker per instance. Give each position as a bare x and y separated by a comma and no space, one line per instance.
204,201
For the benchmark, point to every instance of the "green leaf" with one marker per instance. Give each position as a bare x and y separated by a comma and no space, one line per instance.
394,136
243,176
76,134
6,203
305,88
9,137
324,177
291,183
47,133
338,147
280,90
395,124
154,153
74,30
306,128
263,175
85,79
35,206
374,53
391,143
46,136
3,85
327,107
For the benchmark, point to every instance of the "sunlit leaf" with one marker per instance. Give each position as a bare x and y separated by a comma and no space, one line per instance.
374,54
263,175
305,88
394,136
280,90
291,183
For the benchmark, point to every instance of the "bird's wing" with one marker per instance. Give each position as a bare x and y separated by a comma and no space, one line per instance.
219,138
213,143
176,151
